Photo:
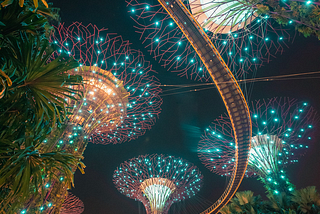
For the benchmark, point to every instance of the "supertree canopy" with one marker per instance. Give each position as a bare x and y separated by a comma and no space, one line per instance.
72,205
121,99
157,181
282,130
244,38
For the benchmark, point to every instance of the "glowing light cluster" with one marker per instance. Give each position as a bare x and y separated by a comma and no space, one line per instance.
72,205
222,16
121,97
282,130
157,181
244,39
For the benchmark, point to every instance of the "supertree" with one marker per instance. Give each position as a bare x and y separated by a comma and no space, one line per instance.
282,130
120,99
72,205
157,181
245,39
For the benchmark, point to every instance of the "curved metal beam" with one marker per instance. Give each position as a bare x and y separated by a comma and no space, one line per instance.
229,90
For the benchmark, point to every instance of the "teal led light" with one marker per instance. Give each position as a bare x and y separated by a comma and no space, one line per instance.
276,138
168,180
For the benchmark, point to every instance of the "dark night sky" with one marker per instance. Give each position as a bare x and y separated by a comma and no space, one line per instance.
184,117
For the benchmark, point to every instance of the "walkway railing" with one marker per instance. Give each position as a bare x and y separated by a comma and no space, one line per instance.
229,90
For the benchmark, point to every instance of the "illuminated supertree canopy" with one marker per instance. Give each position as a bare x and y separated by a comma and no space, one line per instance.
121,96
157,181
120,99
244,39
282,130
72,205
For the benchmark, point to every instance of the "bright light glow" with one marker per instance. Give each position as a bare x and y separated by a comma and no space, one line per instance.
214,15
158,192
264,153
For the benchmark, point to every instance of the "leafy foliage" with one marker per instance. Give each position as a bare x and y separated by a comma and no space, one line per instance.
302,201
36,98
33,89
303,14
28,170
307,200
22,3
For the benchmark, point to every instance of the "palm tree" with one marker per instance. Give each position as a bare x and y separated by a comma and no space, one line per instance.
244,202
22,2
280,203
33,88
32,105
307,200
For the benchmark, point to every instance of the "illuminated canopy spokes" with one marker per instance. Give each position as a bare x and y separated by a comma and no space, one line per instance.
104,101
265,154
222,16
157,190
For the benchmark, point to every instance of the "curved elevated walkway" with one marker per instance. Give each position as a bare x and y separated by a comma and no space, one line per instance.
229,89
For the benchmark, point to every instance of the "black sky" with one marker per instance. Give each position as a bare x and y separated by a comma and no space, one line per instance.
184,117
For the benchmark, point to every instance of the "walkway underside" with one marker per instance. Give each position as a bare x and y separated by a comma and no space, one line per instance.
229,90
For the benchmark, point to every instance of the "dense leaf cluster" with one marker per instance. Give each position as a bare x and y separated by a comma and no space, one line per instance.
33,88
302,201
304,15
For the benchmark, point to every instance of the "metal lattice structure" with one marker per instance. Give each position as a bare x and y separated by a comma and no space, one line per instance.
157,181
244,39
72,205
121,97
282,131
